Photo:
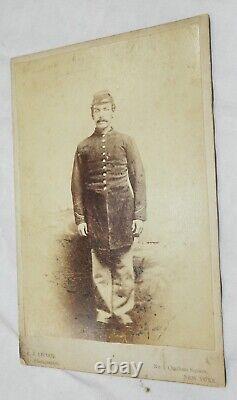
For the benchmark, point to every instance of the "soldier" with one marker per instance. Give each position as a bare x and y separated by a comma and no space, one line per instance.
109,200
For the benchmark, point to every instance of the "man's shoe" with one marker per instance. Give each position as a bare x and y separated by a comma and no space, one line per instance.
125,320
103,318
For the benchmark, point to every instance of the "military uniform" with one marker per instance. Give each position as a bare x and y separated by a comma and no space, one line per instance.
108,190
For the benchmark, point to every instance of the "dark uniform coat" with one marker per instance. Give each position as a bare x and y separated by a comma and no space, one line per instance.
108,188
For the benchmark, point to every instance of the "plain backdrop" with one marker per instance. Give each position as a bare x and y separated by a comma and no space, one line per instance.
34,25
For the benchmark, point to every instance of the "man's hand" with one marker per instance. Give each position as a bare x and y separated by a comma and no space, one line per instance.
82,229
137,227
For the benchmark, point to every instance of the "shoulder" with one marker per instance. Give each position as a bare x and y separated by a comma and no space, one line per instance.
83,145
126,139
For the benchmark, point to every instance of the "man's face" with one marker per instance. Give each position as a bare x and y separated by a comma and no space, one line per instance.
102,114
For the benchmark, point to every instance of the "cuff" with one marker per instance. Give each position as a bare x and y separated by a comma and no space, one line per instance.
140,214
79,218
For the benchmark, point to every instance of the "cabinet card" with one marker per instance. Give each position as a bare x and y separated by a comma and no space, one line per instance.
116,206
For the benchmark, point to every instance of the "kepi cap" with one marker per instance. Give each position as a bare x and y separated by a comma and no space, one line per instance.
102,97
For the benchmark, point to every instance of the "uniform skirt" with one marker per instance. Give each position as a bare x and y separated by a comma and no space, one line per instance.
109,215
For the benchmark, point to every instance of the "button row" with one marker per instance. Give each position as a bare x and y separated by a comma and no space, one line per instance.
104,161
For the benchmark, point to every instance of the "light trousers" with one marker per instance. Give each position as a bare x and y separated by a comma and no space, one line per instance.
114,281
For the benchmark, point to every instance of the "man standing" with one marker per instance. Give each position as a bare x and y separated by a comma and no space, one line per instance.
109,199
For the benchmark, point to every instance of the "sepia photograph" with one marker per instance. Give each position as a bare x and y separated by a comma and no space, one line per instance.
116,204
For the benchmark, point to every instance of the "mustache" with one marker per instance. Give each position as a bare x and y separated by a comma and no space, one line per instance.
101,120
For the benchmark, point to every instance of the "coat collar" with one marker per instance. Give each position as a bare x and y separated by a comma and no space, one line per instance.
99,133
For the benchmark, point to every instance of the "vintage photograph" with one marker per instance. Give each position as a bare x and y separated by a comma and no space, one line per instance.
109,198
116,203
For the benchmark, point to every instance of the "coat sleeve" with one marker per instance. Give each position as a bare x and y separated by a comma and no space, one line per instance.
137,179
77,189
